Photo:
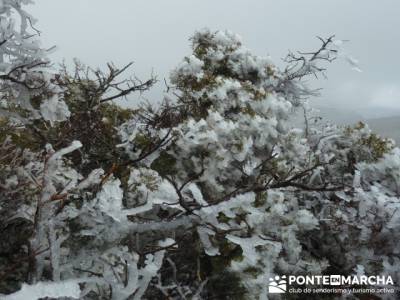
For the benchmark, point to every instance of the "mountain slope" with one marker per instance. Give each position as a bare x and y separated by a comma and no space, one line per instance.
387,127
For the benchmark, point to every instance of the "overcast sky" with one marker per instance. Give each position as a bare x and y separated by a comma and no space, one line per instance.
154,34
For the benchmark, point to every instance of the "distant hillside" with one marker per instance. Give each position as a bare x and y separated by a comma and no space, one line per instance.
384,126
387,127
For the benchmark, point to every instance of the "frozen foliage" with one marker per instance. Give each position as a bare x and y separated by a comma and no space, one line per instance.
54,110
24,67
40,290
204,197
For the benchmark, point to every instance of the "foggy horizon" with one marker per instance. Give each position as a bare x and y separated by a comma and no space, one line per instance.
155,35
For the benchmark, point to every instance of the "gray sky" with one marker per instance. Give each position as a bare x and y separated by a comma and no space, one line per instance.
154,34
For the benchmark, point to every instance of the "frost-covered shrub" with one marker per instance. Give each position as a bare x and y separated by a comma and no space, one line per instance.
27,83
205,197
